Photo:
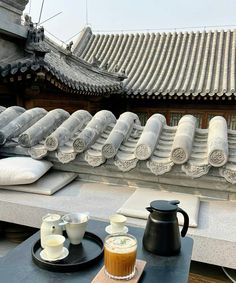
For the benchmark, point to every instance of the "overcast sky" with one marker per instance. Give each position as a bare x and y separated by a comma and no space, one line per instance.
131,15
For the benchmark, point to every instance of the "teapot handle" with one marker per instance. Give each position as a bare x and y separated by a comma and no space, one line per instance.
149,209
186,221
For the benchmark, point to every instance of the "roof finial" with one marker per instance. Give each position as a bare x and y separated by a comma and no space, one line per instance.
116,68
95,61
123,71
105,66
69,46
35,44
27,20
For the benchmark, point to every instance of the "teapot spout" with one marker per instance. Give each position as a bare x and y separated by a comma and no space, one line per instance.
63,223
150,209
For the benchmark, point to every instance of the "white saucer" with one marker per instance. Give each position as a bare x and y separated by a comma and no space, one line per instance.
64,254
109,231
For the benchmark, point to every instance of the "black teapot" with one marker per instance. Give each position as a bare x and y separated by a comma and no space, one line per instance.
162,235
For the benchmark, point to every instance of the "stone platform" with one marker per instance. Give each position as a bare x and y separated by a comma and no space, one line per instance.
214,238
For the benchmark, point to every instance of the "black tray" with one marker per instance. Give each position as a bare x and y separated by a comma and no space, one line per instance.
80,256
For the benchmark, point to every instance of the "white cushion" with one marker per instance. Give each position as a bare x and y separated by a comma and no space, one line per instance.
48,184
22,170
141,198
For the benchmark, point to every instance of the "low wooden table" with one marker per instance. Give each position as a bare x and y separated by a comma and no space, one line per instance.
17,266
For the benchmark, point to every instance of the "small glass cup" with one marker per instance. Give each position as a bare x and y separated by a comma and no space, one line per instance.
120,256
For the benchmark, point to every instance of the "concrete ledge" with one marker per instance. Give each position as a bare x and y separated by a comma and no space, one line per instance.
214,239
210,186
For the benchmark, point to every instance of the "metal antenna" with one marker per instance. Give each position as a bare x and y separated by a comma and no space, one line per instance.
86,11
40,12
50,18
29,7
73,36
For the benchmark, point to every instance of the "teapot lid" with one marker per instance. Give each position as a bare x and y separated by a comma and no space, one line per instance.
164,205
51,217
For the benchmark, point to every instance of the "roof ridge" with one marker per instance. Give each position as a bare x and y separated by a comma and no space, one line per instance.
161,31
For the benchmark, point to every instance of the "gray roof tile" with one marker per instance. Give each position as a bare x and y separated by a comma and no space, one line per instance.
183,63
102,139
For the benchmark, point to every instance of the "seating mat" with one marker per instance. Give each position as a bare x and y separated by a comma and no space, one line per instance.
48,184
142,197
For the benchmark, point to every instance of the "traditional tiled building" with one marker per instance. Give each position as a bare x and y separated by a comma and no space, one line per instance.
170,73
36,72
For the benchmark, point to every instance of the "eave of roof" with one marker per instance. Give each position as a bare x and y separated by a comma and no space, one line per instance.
45,57
76,78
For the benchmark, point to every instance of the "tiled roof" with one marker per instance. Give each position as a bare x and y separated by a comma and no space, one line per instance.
123,141
73,74
183,63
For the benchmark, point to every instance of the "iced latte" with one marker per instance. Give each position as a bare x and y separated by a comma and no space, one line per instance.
120,256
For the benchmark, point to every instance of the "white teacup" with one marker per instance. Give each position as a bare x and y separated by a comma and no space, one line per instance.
117,222
54,245
76,224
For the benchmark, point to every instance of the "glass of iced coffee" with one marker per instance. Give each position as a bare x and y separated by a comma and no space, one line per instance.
120,256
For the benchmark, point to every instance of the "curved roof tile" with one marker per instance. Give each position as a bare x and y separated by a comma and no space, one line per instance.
197,63
123,141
